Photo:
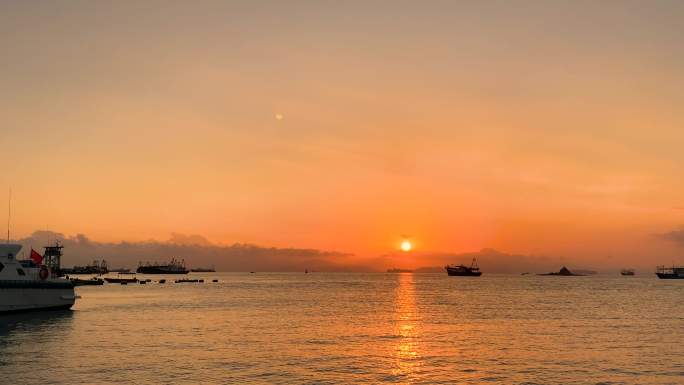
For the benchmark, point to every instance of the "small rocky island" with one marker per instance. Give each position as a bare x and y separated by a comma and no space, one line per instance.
564,272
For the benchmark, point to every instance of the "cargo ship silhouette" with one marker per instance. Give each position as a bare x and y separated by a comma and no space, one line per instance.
173,267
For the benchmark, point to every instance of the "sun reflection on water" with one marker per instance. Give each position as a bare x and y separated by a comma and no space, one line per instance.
406,328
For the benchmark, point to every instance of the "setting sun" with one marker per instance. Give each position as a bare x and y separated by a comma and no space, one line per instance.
406,246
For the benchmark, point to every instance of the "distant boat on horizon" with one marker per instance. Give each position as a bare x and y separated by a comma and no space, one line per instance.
564,272
627,272
464,271
97,267
173,267
87,282
203,270
674,272
397,270
122,280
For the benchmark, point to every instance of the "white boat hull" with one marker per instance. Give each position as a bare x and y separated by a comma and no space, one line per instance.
14,300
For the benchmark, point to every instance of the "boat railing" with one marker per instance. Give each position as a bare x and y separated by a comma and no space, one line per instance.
669,269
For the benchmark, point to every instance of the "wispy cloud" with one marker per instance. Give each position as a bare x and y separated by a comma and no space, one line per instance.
675,236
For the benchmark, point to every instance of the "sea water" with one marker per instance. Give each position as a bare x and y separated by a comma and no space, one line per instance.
330,328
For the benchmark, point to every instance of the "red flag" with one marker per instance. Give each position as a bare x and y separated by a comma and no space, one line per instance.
37,258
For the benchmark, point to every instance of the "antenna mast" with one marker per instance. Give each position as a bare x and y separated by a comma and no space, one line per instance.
9,214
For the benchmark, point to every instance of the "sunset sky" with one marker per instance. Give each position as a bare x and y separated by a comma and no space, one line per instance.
541,128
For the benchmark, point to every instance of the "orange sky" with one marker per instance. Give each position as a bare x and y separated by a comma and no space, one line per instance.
531,127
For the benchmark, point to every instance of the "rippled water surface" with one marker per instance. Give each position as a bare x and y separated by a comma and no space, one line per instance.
357,328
